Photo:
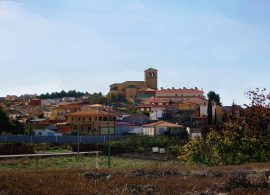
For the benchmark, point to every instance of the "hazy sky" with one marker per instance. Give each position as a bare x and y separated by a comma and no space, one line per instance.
50,45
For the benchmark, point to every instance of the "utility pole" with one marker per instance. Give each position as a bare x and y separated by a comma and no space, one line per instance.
109,146
78,147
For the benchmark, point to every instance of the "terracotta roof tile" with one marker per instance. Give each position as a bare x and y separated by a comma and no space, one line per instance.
91,112
162,124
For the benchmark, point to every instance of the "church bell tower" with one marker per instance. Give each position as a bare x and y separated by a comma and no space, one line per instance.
150,77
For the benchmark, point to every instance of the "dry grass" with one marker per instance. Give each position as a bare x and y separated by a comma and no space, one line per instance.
154,180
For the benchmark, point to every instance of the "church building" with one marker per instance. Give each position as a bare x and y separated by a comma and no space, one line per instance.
130,89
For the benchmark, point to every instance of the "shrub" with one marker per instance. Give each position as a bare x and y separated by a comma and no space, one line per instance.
140,150
174,150
231,148
131,144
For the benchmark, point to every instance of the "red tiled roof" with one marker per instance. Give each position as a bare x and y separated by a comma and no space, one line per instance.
65,129
34,102
180,91
158,100
162,124
145,106
146,90
91,112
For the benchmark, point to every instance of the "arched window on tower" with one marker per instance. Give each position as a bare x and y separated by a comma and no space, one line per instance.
153,74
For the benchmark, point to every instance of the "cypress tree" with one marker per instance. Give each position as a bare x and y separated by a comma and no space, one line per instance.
209,113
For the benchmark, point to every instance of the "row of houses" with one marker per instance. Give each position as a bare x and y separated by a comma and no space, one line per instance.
166,111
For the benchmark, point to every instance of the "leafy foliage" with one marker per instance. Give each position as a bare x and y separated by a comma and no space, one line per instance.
244,138
4,121
212,96
97,98
257,113
62,94
139,143
230,148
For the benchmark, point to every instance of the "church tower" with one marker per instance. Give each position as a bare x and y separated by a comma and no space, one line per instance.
150,77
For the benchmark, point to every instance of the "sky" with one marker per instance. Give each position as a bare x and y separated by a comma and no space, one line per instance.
54,45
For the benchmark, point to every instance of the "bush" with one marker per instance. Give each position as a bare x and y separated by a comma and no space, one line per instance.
174,150
231,148
132,144
140,150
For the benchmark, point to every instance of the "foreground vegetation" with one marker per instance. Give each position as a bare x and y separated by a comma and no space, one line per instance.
175,179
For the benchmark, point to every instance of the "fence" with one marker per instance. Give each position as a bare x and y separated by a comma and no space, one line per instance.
56,139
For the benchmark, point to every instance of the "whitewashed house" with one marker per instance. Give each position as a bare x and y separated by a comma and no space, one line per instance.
161,127
46,132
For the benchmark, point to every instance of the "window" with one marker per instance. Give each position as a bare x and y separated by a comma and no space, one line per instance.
72,119
83,119
153,74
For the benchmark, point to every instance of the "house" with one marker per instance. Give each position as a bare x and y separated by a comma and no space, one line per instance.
14,114
11,98
139,119
143,94
64,128
2,99
43,123
179,95
130,89
93,106
137,131
47,103
161,128
124,128
194,133
59,111
156,113
31,110
92,121
34,102
46,132
69,99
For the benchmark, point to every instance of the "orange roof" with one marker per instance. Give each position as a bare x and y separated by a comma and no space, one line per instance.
180,91
162,124
146,90
91,112
158,100
65,129
66,104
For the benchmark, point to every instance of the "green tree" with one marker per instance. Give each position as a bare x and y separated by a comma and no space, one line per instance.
97,98
210,113
28,129
214,97
4,121
17,127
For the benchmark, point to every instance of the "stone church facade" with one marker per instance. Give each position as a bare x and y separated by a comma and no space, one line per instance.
129,89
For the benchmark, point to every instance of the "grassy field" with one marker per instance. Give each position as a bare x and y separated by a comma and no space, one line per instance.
82,162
